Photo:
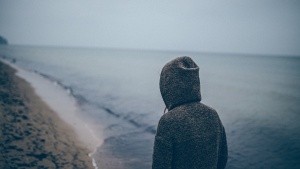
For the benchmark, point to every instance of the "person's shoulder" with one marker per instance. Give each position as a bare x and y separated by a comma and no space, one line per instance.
166,122
170,117
210,111
166,117
207,108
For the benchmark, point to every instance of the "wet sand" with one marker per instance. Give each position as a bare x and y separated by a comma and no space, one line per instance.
31,134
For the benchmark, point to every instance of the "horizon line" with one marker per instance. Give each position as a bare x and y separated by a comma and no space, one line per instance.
161,50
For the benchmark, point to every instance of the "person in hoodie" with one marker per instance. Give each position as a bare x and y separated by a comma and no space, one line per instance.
190,135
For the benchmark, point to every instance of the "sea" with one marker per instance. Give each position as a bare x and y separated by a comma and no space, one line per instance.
117,91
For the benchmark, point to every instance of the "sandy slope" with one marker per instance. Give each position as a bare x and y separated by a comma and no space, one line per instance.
32,135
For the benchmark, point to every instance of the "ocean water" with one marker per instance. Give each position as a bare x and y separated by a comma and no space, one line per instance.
257,98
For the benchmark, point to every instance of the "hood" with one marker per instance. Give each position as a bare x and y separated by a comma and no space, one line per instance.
180,82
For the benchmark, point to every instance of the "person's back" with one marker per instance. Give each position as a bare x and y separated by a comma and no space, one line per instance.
191,134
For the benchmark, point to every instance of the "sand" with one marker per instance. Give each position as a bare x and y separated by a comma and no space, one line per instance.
32,135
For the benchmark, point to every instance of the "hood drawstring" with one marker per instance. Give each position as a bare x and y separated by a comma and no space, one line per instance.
165,110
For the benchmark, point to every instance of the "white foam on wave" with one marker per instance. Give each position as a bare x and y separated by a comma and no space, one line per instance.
62,102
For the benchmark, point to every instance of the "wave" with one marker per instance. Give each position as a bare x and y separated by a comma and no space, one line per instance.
80,99
68,89
145,127
83,100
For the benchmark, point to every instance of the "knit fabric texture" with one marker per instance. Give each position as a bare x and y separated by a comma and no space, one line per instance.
190,135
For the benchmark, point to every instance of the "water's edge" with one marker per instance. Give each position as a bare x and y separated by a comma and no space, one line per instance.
41,85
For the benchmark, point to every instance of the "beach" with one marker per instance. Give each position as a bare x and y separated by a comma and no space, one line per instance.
111,100
32,134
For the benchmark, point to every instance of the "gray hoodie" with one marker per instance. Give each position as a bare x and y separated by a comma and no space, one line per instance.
190,135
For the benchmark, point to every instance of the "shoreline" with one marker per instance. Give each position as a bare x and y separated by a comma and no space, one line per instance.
33,134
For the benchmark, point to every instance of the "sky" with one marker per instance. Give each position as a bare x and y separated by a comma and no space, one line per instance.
270,27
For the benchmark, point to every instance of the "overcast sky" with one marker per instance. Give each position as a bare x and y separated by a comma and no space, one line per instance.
234,26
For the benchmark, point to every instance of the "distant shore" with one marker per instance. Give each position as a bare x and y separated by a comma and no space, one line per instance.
32,135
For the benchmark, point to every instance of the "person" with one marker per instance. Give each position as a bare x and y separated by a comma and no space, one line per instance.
190,135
